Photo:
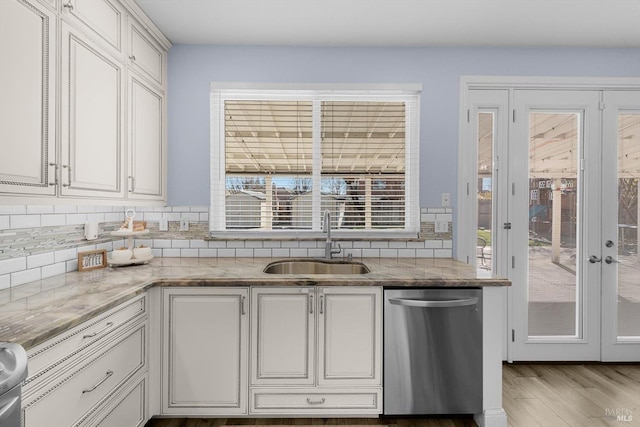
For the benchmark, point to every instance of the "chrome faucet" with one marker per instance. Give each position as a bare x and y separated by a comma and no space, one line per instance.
329,250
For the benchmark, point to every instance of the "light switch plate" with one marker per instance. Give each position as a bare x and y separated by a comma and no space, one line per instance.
446,200
184,224
163,225
442,226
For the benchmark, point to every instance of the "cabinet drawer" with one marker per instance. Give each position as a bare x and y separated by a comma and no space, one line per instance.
104,17
145,54
316,401
47,358
128,409
70,398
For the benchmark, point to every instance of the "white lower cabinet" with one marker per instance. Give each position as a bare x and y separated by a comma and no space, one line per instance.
329,339
205,345
83,388
128,408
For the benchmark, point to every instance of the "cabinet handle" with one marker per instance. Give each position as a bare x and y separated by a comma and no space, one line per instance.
315,402
133,184
109,324
133,58
55,174
242,310
68,6
68,168
321,304
310,304
106,377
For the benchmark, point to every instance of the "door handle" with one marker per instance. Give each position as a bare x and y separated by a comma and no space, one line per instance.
593,259
610,260
434,303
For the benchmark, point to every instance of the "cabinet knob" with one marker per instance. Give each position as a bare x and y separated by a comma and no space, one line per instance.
68,6
132,57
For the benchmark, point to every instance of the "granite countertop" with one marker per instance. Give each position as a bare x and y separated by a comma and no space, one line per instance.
34,312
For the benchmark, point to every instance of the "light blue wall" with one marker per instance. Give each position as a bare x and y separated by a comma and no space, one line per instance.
192,67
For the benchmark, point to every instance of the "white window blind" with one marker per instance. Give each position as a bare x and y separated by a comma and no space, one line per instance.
279,160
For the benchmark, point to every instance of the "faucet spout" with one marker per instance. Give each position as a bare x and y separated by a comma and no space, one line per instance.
329,249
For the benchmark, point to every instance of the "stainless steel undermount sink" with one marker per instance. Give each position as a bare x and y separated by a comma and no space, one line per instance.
315,266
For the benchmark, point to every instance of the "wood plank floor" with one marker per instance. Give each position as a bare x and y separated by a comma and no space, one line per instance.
534,395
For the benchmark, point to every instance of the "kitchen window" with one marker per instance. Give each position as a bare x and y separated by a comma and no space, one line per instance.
281,157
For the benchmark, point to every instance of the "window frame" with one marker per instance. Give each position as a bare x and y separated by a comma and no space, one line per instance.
220,92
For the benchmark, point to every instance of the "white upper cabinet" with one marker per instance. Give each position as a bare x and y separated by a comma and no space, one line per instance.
91,119
145,54
27,90
147,151
103,17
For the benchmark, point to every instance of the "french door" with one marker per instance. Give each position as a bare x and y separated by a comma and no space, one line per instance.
556,211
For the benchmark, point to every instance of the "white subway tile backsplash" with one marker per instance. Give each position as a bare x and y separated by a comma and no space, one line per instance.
415,245
444,217
271,244
108,246
433,244
12,265
162,208
39,260
424,253
207,253
308,244
66,254
65,209
15,210
189,253
200,209
406,253
226,253
96,217
217,244
235,244
253,244
87,209
53,220
54,269
397,245
442,253
25,276
152,216
179,244
447,244
114,216
315,253
298,252
370,253
203,216
157,253
289,244
5,281
191,216
180,209
76,219
171,253
198,244
262,253
32,210
379,244
161,243
388,253
361,245
244,253
280,253
24,221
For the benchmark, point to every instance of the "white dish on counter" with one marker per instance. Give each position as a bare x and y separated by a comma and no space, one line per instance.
130,261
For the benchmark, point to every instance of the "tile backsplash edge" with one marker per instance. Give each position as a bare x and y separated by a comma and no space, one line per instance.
37,242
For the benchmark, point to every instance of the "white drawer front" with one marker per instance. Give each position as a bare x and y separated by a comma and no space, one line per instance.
315,401
145,54
71,397
46,358
105,17
127,410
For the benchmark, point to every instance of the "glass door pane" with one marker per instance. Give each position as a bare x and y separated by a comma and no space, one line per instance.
484,240
628,291
554,159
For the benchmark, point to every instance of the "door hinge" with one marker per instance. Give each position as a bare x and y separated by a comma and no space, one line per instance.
513,335
507,226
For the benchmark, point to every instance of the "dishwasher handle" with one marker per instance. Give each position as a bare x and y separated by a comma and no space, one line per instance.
425,303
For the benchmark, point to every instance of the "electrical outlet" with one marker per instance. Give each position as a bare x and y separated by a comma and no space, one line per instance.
442,226
163,224
446,200
184,224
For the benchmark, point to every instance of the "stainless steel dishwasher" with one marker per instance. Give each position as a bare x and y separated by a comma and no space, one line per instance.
13,371
432,351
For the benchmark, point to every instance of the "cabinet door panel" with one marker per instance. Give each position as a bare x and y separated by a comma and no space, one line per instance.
350,330
283,326
206,351
146,140
27,45
91,119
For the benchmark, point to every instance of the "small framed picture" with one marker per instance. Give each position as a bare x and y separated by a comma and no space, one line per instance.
92,260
